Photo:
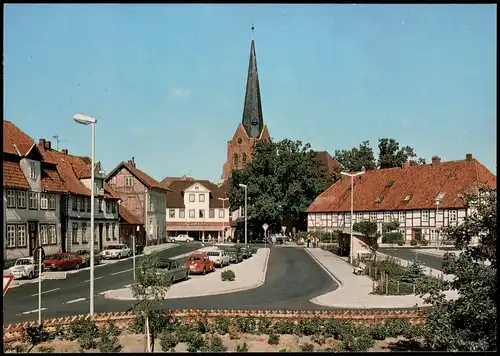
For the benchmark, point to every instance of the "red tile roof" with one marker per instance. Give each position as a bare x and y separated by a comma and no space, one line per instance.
128,217
15,141
51,181
145,179
175,197
421,183
169,180
13,176
327,161
110,193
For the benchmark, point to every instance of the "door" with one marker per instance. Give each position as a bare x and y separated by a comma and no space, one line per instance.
33,236
100,235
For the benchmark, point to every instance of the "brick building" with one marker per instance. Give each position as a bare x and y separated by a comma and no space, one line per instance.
423,198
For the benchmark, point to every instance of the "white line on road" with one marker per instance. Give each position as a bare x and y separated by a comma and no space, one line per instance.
47,291
33,311
95,279
102,293
76,300
127,270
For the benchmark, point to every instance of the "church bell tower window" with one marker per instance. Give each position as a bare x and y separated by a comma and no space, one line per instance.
235,160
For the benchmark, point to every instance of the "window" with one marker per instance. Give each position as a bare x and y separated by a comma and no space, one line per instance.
113,207
96,231
373,216
32,170
235,160
387,216
21,236
402,216
113,235
74,233
201,198
53,234
33,200
211,213
347,218
11,236
99,202
359,217
74,203
453,216
112,180
21,199
82,200
107,233
44,234
44,201
171,213
402,232
11,198
182,213
151,205
128,181
191,213
52,202
434,235
79,203
244,158
88,204
221,213
425,215
201,213
191,198
84,233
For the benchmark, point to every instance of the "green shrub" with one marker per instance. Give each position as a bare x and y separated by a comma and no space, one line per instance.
245,324
307,347
183,333
85,331
227,275
46,350
60,332
359,344
412,273
283,327
221,325
242,348
168,341
423,242
109,339
274,339
196,342
392,238
396,326
338,329
378,332
414,242
264,326
310,326
216,344
318,338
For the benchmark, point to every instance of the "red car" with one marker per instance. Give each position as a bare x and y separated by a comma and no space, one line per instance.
199,263
63,261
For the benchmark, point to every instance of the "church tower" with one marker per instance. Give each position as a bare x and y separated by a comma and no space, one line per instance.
252,129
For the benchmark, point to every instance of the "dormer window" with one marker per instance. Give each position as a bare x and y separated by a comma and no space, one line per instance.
440,197
128,181
378,200
389,183
32,170
407,198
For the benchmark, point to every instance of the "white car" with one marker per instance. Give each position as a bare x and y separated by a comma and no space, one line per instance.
219,257
24,267
182,238
116,251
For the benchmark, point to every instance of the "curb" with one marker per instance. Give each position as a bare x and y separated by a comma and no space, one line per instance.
331,274
258,284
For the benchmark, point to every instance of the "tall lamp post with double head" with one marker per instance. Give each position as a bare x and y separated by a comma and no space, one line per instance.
352,175
244,186
223,222
87,120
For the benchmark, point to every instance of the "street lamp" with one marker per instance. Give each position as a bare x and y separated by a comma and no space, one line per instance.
87,120
246,202
224,221
352,175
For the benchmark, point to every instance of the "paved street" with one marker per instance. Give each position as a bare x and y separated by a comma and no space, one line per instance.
293,278
410,254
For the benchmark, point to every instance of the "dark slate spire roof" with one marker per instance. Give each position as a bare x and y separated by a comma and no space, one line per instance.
253,120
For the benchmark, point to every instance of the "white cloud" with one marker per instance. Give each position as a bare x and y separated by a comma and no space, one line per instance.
180,93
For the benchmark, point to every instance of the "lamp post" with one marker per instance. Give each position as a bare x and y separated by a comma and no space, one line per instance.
87,120
224,221
352,175
246,218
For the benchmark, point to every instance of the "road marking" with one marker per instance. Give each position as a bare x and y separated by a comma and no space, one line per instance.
95,279
102,293
47,291
33,311
127,270
76,300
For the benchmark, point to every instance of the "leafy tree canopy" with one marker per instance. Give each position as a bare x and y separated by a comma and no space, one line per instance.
369,229
468,323
282,179
356,158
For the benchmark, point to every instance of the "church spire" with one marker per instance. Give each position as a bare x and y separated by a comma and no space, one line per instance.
253,120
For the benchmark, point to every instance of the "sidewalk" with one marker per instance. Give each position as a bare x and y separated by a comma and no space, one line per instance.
354,291
251,273
161,247
437,253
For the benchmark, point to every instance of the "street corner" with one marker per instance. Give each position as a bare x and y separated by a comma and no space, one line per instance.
119,294
157,248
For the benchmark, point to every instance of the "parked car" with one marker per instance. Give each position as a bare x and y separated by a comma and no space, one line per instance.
85,255
116,251
173,270
63,261
219,257
199,263
182,238
25,268
235,254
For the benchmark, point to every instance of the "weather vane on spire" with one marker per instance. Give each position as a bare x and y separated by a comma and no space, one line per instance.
253,28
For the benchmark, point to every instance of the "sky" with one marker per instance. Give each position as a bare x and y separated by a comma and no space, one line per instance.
167,82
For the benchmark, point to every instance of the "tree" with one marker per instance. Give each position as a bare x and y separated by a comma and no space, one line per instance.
468,323
368,229
390,155
149,288
282,179
356,158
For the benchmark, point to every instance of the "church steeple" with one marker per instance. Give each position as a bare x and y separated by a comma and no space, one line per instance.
253,120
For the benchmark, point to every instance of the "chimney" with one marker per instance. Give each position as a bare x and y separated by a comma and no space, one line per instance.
65,151
41,142
47,145
405,165
132,162
435,161
468,157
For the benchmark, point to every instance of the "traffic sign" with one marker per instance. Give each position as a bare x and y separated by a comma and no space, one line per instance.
283,229
7,280
265,227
